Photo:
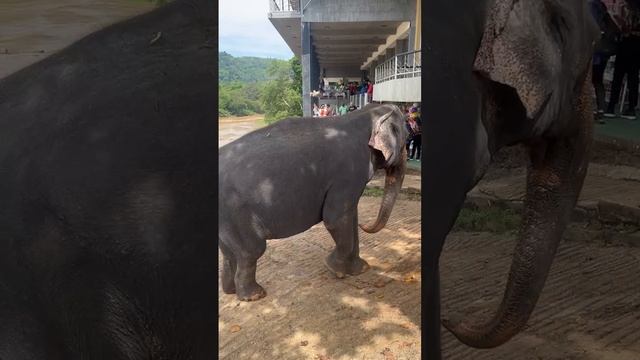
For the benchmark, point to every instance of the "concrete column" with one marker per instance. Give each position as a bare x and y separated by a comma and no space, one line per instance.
307,72
414,26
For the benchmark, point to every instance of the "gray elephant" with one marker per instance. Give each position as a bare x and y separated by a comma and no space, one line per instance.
280,180
504,72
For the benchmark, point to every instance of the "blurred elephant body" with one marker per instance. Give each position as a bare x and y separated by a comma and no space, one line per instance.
280,180
107,168
512,72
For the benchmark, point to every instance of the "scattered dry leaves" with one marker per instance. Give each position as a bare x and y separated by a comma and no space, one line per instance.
388,355
379,283
234,328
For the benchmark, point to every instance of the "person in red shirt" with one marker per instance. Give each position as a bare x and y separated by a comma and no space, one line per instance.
369,89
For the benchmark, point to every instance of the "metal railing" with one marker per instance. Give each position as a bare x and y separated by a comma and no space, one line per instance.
405,65
284,5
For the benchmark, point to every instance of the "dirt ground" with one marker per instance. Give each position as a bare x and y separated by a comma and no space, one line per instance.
31,30
231,128
589,308
309,314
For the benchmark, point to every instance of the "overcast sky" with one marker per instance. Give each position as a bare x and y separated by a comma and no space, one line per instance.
245,30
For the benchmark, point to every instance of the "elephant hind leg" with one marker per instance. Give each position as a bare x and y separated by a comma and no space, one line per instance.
228,269
345,258
242,249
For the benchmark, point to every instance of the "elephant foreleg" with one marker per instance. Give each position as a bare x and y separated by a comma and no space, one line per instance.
345,258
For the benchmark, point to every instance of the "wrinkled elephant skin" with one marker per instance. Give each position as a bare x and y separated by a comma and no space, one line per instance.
500,73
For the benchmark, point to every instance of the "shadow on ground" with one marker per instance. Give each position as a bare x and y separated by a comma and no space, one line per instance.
308,314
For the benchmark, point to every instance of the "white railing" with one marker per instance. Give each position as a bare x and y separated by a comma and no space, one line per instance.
405,65
359,100
284,5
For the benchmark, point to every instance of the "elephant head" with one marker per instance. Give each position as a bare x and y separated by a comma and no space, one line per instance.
387,143
520,74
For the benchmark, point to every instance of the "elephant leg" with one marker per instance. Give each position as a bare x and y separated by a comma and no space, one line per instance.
241,247
247,289
345,258
228,269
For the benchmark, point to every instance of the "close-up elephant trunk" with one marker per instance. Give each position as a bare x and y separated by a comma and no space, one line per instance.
394,177
518,72
555,176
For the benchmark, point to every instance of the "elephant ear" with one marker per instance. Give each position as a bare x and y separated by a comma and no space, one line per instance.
381,138
522,48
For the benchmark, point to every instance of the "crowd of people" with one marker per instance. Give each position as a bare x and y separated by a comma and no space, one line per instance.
342,90
325,110
619,22
365,88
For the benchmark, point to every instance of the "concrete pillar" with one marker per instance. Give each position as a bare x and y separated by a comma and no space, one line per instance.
414,25
307,73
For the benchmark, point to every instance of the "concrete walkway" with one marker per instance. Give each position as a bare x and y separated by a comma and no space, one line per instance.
610,193
619,128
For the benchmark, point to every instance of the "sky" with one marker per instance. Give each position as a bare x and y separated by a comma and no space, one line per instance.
245,30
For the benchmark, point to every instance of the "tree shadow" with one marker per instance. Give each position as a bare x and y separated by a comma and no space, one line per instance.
309,314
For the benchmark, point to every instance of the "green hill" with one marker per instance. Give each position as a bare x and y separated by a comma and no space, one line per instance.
243,69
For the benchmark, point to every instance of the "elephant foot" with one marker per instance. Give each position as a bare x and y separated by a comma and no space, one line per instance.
251,293
228,285
341,268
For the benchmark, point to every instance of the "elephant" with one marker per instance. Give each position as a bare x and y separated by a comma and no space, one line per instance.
507,72
107,181
282,179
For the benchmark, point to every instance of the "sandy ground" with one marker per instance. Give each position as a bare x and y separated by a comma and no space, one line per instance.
31,30
231,128
589,309
308,313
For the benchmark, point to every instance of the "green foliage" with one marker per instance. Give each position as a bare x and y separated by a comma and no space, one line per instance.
373,191
492,219
238,99
282,96
249,85
244,69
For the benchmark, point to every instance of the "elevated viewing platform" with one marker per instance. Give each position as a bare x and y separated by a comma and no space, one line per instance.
399,78
285,15
347,40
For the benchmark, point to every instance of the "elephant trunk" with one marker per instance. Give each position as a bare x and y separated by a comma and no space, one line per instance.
392,185
554,181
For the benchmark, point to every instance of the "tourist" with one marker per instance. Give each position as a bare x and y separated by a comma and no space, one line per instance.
627,16
604,49
343,109
323,110
369,90
416,133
